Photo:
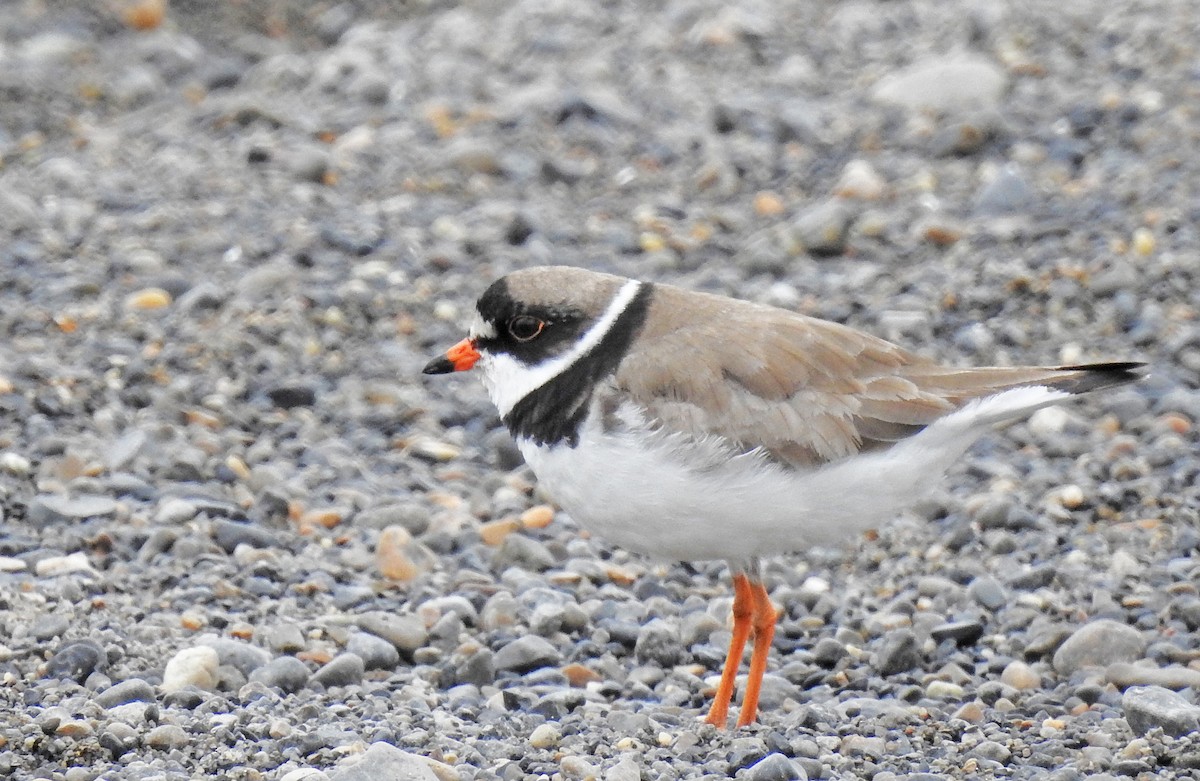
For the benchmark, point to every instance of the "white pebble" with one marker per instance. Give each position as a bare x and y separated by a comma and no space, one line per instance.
1048,420
191,667
64,565
544,736
15,464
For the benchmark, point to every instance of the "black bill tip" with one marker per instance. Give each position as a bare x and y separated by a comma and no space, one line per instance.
438,366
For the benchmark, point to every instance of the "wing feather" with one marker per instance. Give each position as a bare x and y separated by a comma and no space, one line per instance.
800,390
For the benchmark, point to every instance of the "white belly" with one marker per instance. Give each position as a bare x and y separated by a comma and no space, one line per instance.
671,496
665,496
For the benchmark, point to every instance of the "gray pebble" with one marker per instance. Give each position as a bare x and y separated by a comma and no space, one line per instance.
49,509
131,690
1174,677
166,736
242,656
1007,193
49,625
988,592
1150,707
524,551
76,660
345,669
385,762
527,653
405,631
658,642
945,83
284,638
776,767
230,534
1099,643
375,652
287,673
822,229
897,653
175,510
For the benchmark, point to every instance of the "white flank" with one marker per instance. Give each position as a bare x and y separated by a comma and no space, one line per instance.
508,380
672,496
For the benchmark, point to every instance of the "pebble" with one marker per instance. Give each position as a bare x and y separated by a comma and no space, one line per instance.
898,652
544,736
375,652
1150,707
195,666
1176,677
1020,676
384,762
947,83
285,672
345,669
245,658
526,653
175,510
405,631
988,592
165,737
131,690
76,661
51,508
399,557
658,643
776,767
1099,643
822,230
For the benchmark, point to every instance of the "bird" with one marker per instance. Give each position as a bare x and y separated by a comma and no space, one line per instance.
691,426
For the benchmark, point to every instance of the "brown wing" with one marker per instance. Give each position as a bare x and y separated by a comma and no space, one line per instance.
805,391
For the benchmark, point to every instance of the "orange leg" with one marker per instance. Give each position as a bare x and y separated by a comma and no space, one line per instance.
763,617
743,612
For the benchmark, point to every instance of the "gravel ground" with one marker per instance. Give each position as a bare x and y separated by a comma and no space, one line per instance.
243,538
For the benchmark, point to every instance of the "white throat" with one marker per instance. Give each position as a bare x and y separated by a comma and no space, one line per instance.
508,380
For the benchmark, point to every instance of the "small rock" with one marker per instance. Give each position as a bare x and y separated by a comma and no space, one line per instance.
898,652
384,762
988,592
345,669
822,229
860,181
192,667
131,690
961,632
993,751
776,767
1020,676
49,509
1006,193
526,653
292,396
148,299
1099,643
944,84
166,736
244,657
399,557
284,638
375,652
72,563
1148,707
76,661
544,736
406,632
175,511
287,673
1124,675
658,642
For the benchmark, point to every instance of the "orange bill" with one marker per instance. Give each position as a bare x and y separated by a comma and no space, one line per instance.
458,358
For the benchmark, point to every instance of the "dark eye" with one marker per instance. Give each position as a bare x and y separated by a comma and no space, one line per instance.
523,328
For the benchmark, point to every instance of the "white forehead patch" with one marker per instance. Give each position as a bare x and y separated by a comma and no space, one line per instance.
508,380
481,329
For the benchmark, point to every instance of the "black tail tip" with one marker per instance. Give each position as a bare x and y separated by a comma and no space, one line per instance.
1094,376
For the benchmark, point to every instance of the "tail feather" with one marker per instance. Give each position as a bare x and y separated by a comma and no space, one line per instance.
1096,376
